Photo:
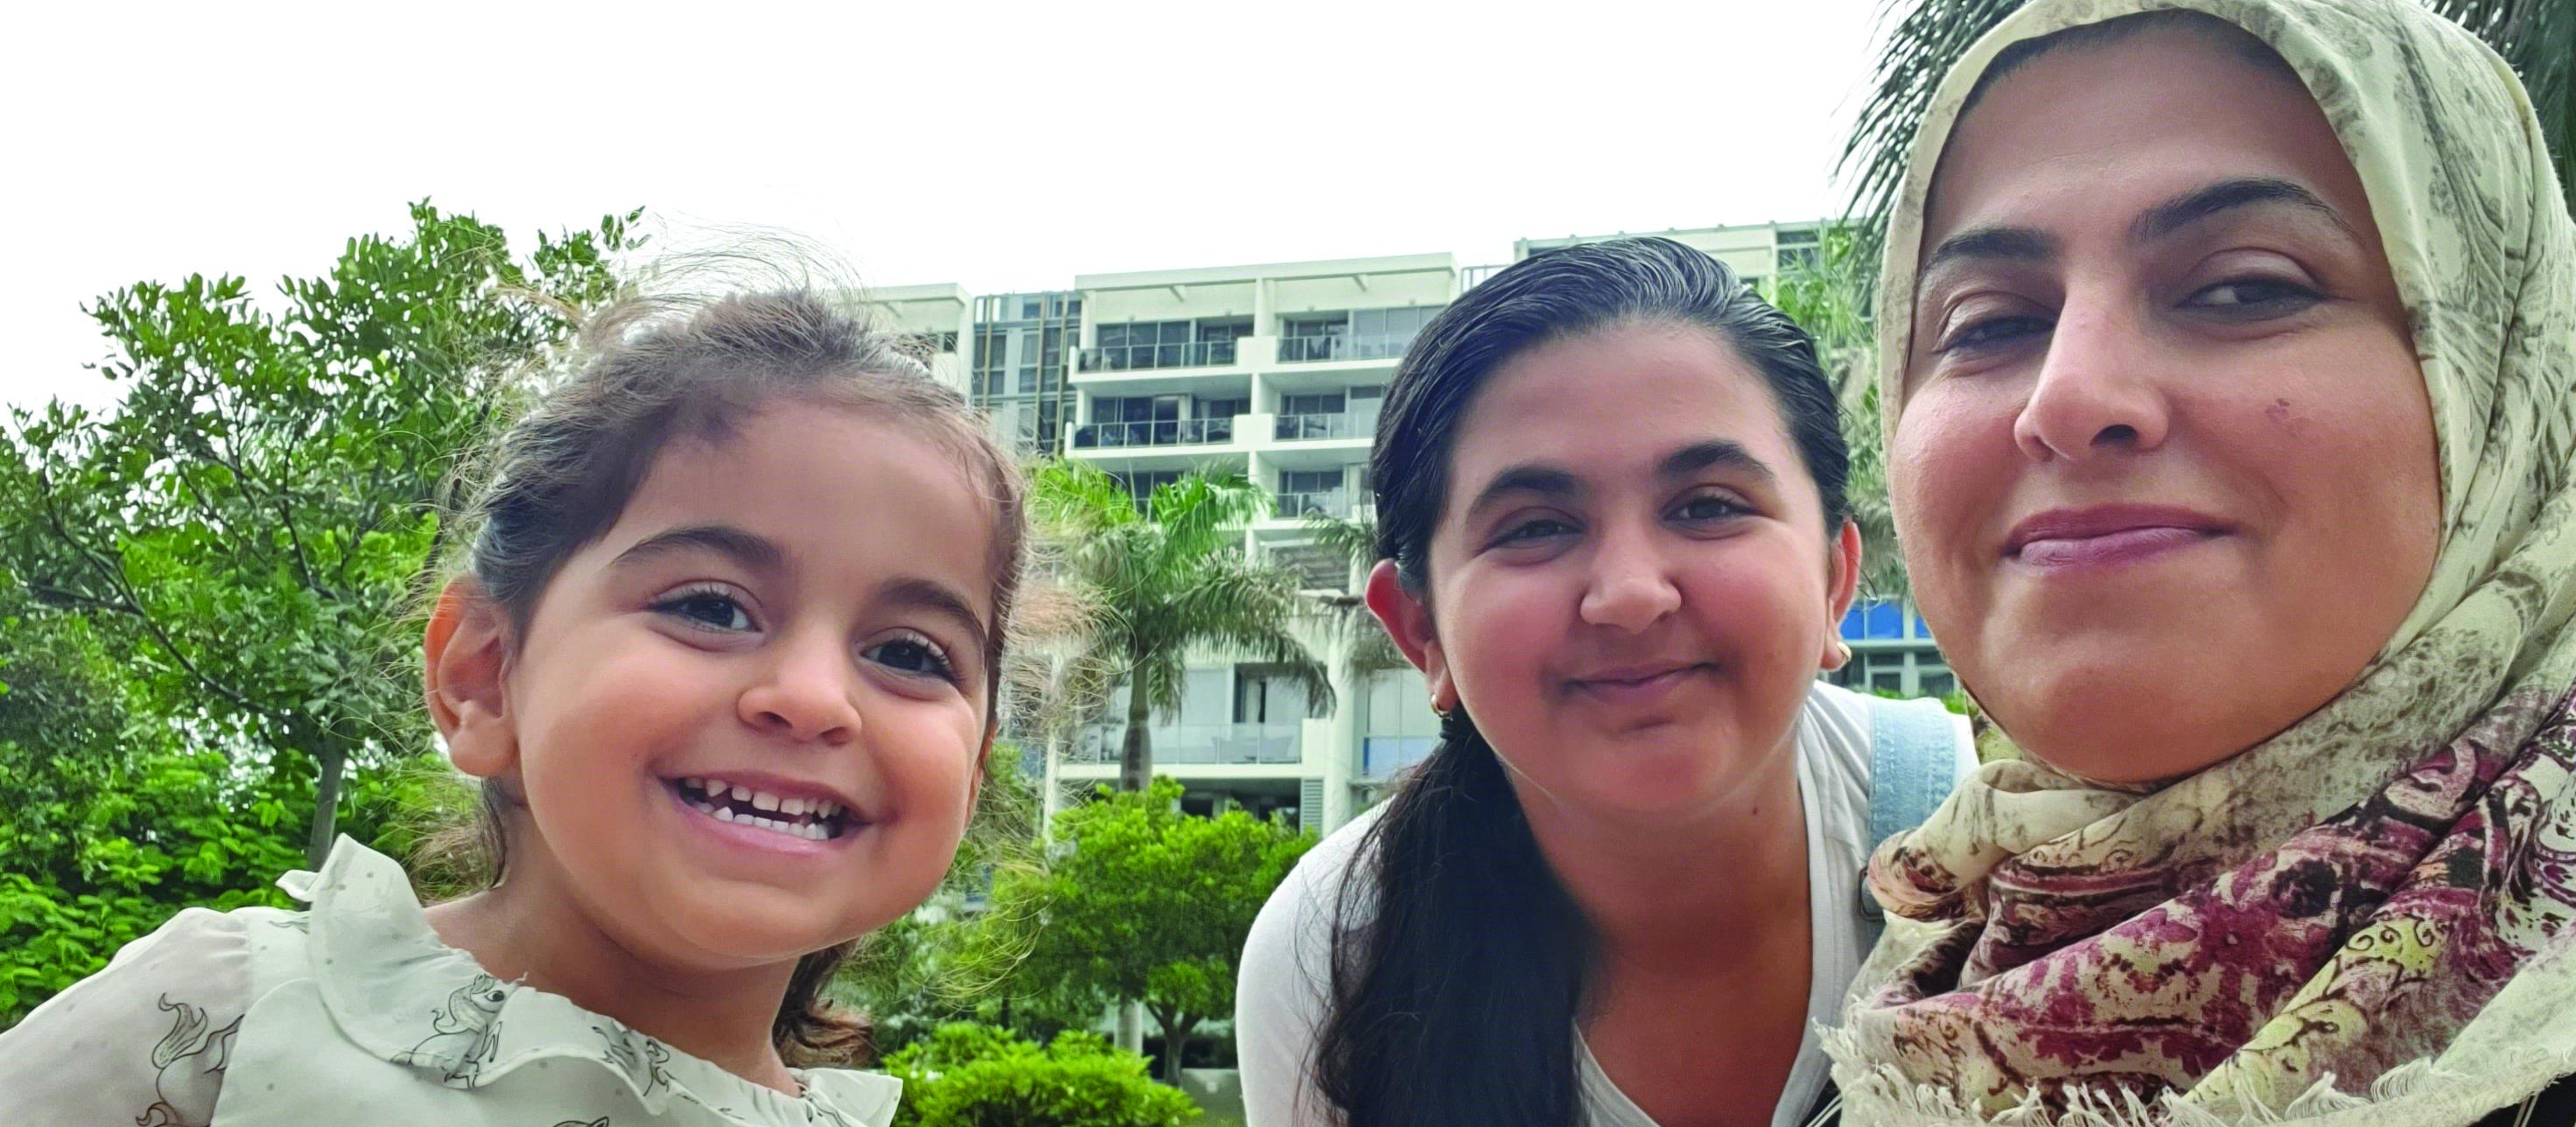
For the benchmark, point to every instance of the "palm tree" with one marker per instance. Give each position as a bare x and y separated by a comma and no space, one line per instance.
1924,37
1830,298
1162,581
1364,647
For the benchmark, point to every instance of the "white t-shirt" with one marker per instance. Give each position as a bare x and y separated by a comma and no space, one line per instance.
1286,969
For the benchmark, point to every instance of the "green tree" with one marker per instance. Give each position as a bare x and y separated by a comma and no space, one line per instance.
1830,297
1142,902
1164,581
248,528
1923,38
118,820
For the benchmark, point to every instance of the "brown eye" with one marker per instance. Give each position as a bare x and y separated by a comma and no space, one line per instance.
913,655
707,609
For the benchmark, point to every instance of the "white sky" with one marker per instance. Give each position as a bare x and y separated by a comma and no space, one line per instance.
1003,146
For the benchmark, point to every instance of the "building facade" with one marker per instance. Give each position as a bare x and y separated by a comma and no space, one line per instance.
1276,373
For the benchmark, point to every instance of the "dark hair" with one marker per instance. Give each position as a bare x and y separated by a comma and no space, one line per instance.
648,374
1459,962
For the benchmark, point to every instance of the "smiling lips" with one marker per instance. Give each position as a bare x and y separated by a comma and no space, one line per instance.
2107,535
1635,684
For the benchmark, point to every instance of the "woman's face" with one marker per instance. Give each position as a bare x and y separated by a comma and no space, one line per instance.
1632,584
2165,474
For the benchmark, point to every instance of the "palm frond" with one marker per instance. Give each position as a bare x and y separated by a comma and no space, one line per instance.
1920,42
1351,538
1073,499
1198,511
1252,608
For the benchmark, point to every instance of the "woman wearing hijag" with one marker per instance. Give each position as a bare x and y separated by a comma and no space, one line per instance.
2227,374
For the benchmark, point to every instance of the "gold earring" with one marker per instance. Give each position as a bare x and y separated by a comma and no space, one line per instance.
1842,653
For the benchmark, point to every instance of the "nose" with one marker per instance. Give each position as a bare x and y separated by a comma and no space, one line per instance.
2096,394
1630,586
804,692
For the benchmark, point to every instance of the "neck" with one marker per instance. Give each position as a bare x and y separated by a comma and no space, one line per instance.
530,929
1654,892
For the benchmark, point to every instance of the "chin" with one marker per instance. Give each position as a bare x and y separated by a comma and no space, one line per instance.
2105,726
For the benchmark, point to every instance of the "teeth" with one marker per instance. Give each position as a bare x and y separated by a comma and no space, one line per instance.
741,793
792,807
826,808
724,814
763,800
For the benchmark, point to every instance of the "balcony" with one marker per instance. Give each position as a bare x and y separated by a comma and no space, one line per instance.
1299,428
1158,432
1195,744
1325,502
1355,346
1148,357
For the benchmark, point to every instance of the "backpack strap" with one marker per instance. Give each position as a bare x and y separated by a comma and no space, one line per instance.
1913,763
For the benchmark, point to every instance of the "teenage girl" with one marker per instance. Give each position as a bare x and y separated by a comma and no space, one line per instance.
723,653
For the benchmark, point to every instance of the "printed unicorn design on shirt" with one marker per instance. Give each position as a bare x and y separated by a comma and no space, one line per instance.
464,1032
193,1044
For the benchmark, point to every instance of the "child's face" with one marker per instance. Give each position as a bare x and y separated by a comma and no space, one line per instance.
795,614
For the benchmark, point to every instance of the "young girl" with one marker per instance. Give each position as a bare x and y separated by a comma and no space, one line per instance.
1625,887
724,656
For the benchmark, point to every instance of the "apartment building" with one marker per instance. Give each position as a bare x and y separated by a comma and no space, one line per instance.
1275,372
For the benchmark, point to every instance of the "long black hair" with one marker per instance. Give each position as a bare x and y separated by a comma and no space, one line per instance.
1459,962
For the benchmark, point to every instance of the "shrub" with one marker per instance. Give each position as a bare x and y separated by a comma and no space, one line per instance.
968,1075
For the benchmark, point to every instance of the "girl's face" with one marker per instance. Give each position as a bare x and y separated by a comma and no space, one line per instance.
2165,475
784,626
1632,585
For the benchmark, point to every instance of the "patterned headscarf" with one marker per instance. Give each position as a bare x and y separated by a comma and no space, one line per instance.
2364,917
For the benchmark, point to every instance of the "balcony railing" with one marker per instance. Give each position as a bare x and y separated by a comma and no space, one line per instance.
1324,502
1147,357
1302,427
1373,346
1158,432
1272,742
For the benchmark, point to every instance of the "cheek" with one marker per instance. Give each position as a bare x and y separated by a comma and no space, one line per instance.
927,753
2344,445
627,699
1496,625
1951,461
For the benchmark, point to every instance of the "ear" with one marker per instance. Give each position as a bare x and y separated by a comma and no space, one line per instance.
1408,622
465,655
1842,585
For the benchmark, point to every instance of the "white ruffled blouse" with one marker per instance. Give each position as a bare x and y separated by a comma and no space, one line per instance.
258,1016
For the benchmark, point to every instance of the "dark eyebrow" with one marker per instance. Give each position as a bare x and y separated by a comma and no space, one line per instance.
2018,243
1546,481
936,597
1715,452
749,550
2226,195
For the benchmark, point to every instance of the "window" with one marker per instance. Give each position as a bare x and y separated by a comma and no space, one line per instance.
1224,408
1380,333
1323,403
1267,696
